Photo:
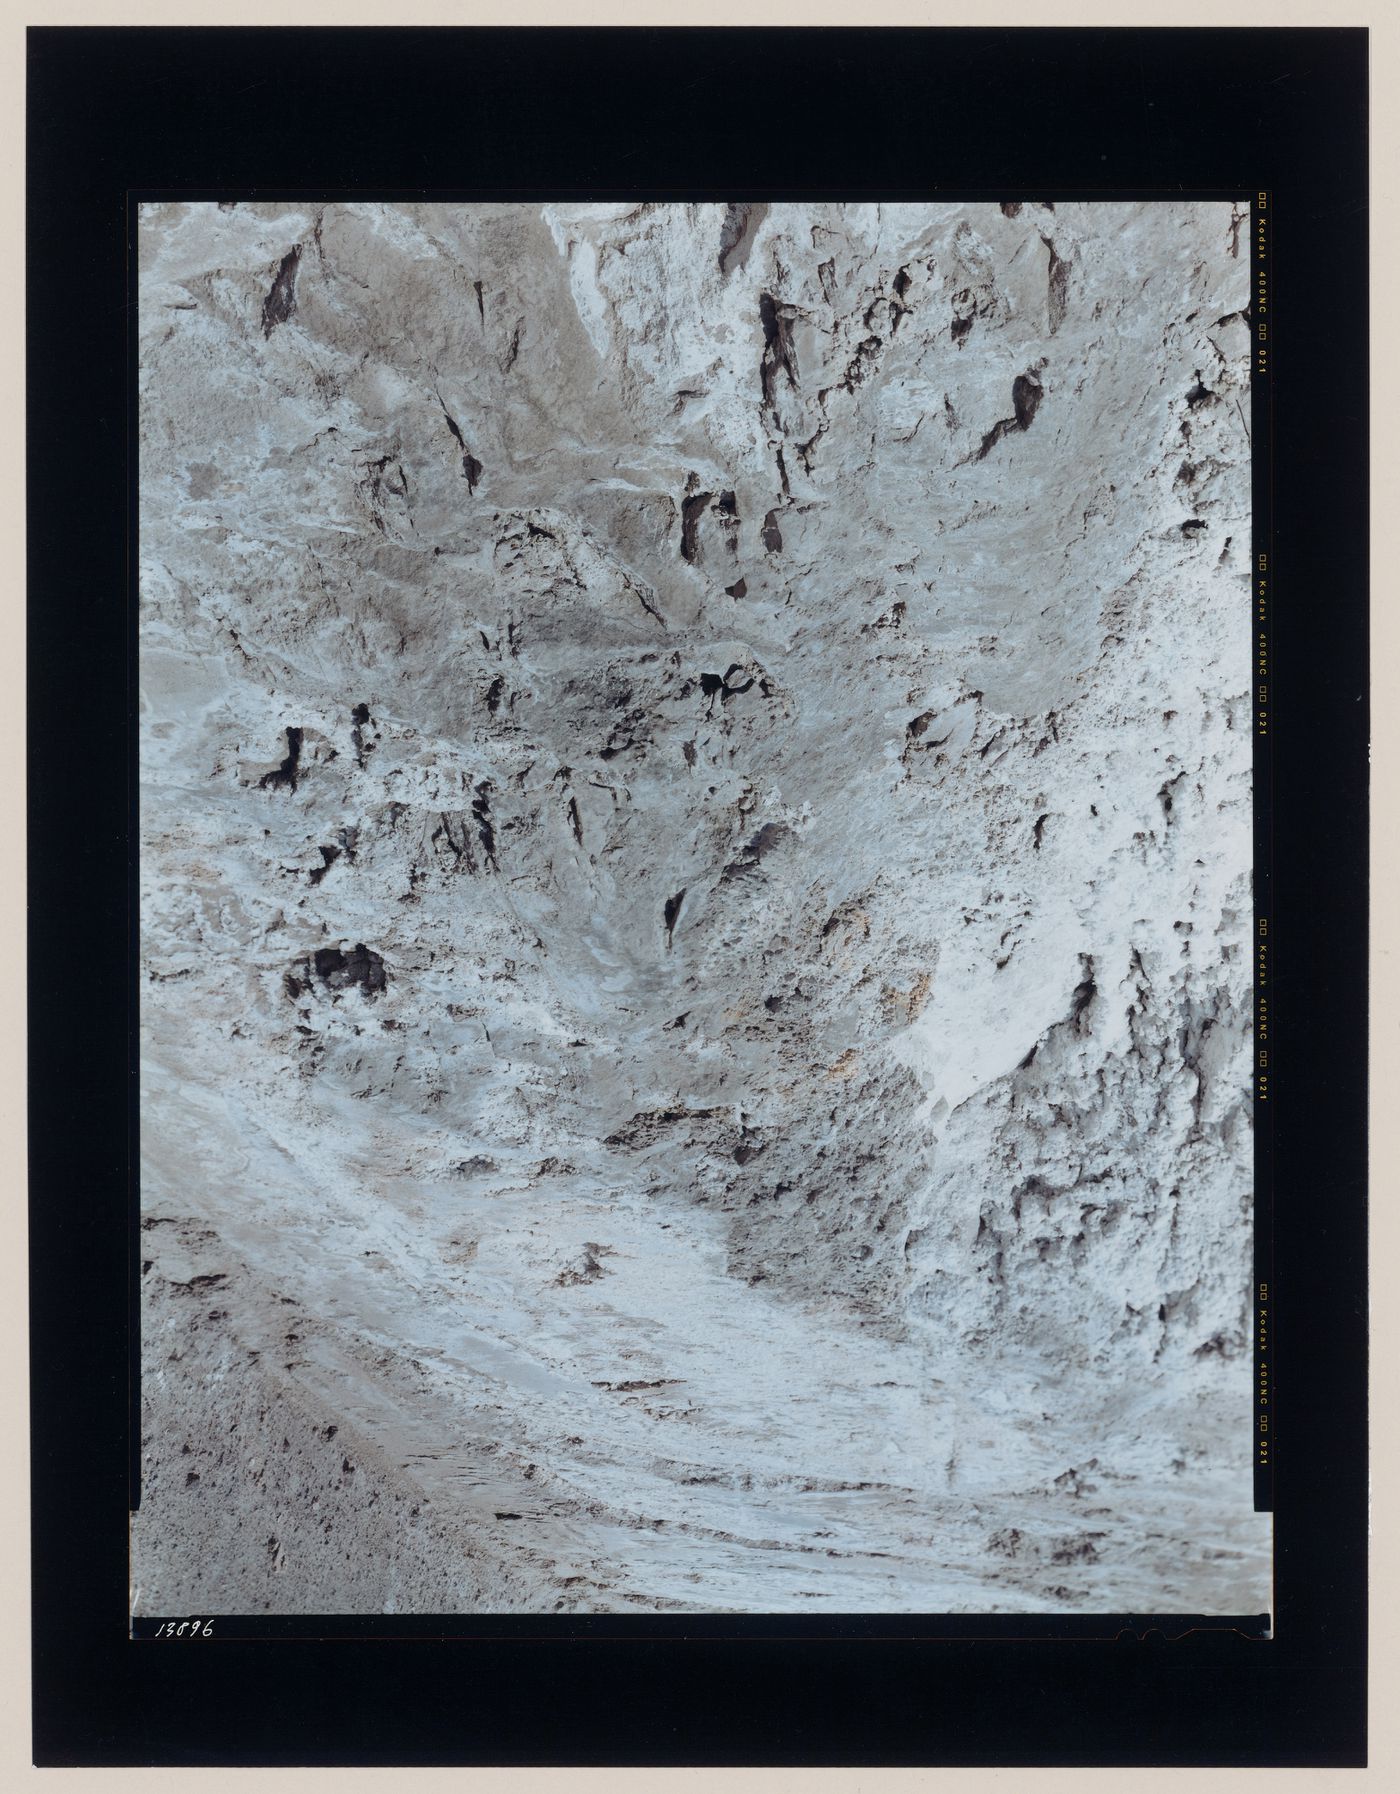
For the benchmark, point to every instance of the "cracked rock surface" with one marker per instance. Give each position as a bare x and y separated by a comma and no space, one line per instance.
696,909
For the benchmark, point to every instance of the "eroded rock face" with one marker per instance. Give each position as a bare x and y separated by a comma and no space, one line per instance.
696,832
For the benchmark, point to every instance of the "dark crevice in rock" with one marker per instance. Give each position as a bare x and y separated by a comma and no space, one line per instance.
916,731
671,913
281,302
777,348
806,450
329,856
359,722
485,827
286,773
1085,991
857,367
691,509
1026,394
361,966
1164,796
471,467
716,685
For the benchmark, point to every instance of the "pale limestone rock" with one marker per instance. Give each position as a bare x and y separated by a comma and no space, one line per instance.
696,907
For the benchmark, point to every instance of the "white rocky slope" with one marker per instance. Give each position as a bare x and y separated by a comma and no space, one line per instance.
696,836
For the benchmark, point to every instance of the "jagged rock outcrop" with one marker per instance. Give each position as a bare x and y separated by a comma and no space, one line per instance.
696,839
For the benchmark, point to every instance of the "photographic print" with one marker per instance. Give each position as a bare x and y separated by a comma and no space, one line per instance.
696,915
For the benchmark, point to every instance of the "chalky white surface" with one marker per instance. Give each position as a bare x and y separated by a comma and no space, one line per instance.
772,693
